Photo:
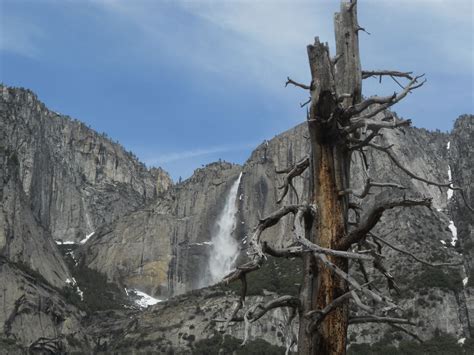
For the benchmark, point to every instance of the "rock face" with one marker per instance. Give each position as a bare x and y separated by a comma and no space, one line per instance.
435,298
22,239
462,170
164,248
32,276
186,325
76,179
60,180
430,301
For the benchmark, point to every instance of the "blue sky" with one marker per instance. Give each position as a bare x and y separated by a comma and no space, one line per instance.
184,83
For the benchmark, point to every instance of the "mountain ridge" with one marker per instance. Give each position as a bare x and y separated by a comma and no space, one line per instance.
157,243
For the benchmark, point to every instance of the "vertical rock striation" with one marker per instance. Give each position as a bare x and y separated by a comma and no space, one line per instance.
75,178
164,248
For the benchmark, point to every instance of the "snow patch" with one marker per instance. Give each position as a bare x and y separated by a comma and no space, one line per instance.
465,281
144,300
73,284
202,243
83,241
450,177
454,232
67,242
461,341
443,242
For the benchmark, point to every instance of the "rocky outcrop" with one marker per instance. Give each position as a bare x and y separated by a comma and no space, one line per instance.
22,239
189,324
34,313
422,231
61,180
461,157
35,316
76,179
164,248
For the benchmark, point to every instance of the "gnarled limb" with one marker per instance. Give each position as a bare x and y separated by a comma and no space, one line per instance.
448,185
242,270
375,125
424,262
353,282
303,86
290,252
291,173
377,319
413,335
319,315
258,310
371,73
368,184
373,217
384,102
342,254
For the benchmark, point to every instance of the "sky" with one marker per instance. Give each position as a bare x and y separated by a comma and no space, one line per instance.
185,83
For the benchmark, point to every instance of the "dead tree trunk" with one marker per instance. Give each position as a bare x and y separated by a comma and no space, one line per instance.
332,82
339,123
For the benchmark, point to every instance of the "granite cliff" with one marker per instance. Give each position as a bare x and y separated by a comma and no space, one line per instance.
75,178
62,181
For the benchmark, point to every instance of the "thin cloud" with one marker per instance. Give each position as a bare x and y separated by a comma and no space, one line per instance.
193,153
19,36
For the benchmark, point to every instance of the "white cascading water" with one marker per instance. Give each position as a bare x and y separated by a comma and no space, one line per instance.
225,248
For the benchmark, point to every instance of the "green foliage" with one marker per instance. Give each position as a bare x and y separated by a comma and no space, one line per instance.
279,275
98,293
436,277
230,345
470,281
10,346
440,344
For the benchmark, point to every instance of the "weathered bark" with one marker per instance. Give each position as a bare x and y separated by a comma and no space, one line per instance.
330,166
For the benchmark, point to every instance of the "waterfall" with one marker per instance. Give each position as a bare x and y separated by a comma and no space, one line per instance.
225,248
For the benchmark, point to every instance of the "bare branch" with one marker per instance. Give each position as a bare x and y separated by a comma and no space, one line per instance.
369,293
305,103
371,73
384,102
377,319
292,172
242,270
448,185
378,265
232,318
303,86
413,335
291,252
373,217
359,303
319,315
362,29
283,301
362,143
412,255
341,254
368,185
254,243
375,125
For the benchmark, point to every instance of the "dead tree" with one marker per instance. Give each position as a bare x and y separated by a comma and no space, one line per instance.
340,123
